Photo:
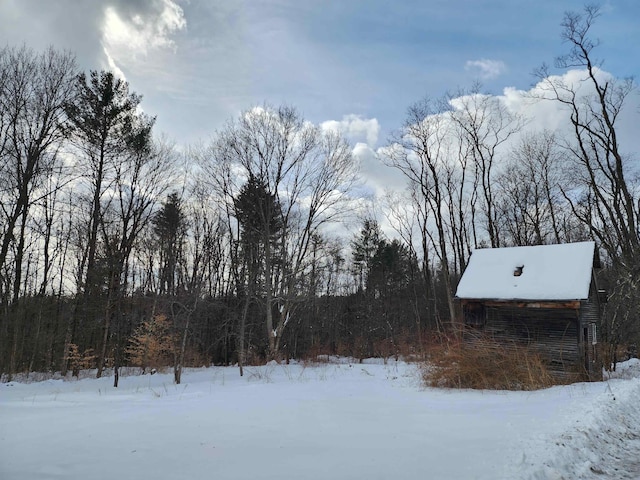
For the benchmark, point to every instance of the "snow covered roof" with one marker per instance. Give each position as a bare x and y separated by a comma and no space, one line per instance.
547,272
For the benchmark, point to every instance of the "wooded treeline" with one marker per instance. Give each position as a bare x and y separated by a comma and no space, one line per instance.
117,248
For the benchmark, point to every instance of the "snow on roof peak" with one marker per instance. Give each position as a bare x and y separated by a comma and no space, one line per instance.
541,272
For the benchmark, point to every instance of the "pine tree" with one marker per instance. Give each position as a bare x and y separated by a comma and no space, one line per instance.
169,226
260,217
390,269
364,248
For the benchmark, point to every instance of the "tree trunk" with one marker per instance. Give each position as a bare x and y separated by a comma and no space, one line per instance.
241,334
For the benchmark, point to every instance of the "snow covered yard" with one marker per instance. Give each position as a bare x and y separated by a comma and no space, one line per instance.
337,420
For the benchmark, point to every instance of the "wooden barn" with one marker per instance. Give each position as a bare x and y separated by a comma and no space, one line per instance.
542,296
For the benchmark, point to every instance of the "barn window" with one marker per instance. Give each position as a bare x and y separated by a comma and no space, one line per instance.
603,297
594,334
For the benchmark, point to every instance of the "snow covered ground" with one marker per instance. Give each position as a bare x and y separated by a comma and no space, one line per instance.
327,421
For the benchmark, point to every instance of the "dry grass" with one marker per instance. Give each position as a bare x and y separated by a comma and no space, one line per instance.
485,364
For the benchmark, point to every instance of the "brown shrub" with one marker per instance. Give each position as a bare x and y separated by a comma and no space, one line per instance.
317,353
80,361
485,364
152,344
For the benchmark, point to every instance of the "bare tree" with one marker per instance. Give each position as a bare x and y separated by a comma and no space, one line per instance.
594,104
484,124
421,151
141,178
307,171
401,213
605,197
33,91
461,187
529,196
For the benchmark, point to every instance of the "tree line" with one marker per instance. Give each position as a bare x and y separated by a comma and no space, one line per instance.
117,248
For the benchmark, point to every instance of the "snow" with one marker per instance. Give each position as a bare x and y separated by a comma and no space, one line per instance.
340,420
550,272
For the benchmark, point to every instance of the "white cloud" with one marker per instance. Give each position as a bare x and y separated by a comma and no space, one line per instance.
356,128
540,112
485,68
129,34
113,66
376,177
543,112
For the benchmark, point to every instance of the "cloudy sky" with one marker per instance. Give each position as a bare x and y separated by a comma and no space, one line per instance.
357,64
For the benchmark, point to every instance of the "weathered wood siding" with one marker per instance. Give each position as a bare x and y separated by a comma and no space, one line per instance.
589,312
590,316
551,332
589,320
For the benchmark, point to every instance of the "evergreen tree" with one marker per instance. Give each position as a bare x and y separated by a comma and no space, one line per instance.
364,247
107,127
169,226
390,269
260,218
115,140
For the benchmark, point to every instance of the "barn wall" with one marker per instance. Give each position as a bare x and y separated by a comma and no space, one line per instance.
589,321
554,333
590,308
589,312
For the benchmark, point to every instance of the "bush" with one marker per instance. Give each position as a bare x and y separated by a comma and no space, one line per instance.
482,363
80,361
152,344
